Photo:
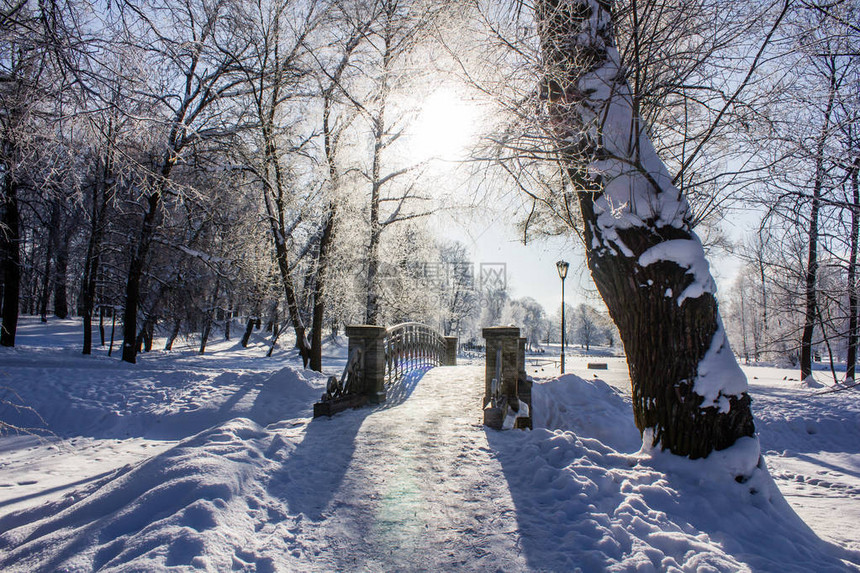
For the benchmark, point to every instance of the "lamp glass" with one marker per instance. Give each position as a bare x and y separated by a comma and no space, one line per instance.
562,268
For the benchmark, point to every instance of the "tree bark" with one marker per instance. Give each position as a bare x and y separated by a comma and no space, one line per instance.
249,328
853,285
275,191
811,279
319,289
61,269
174,332
208,317
204,336
330,140
144,338
112,329
102,323
93,258
379,128
10,251
45,291
689,394
228,318
135,275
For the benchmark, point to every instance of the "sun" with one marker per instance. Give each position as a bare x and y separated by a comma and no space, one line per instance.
444,128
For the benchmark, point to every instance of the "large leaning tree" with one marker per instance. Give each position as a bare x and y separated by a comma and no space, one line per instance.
689,394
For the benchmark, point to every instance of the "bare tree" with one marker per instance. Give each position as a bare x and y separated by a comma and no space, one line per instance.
192,44
400,27
459,298
852,279
588,326
334,92
24,65
274,75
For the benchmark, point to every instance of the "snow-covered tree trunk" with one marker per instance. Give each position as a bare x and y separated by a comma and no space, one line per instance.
689,394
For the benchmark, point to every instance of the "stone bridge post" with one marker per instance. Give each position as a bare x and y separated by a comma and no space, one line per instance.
524,385
450,358
371,341
505,360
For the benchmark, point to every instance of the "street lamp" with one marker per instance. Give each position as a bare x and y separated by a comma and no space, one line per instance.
562,273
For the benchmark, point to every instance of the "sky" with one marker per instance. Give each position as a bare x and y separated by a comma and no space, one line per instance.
530,269
444,131
492,238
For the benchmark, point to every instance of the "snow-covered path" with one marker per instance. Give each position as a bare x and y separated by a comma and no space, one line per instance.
419,481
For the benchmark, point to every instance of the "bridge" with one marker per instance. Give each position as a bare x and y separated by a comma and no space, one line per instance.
379,358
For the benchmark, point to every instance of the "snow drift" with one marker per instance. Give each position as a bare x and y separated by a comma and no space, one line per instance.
415,485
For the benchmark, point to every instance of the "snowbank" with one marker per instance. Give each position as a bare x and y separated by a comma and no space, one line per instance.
416,484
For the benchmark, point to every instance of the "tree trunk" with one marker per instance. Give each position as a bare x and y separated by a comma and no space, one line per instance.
101,191
812,256
135,275
91,270
45,291
148,335
174,332
144,338
689,394
279,235
292,303
209,317
319,291
228,319
763,342
853,284
249,328
324,254
61,300
379,128
276,332
10,252
330,140
204,336
371,315
112,330
102,323
87,316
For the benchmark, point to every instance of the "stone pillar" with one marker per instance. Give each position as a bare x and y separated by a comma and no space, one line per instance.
521,355
524,386
502,361
450,351
506,338
371,341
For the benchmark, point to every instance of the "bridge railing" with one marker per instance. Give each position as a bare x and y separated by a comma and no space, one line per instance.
410,346
379,357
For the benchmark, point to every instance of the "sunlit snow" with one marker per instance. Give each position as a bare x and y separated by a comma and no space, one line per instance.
214,463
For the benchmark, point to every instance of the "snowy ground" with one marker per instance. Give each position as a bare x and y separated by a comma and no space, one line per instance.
213,463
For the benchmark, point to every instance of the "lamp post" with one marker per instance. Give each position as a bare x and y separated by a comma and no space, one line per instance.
562,273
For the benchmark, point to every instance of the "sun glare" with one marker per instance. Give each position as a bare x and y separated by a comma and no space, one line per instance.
444,127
